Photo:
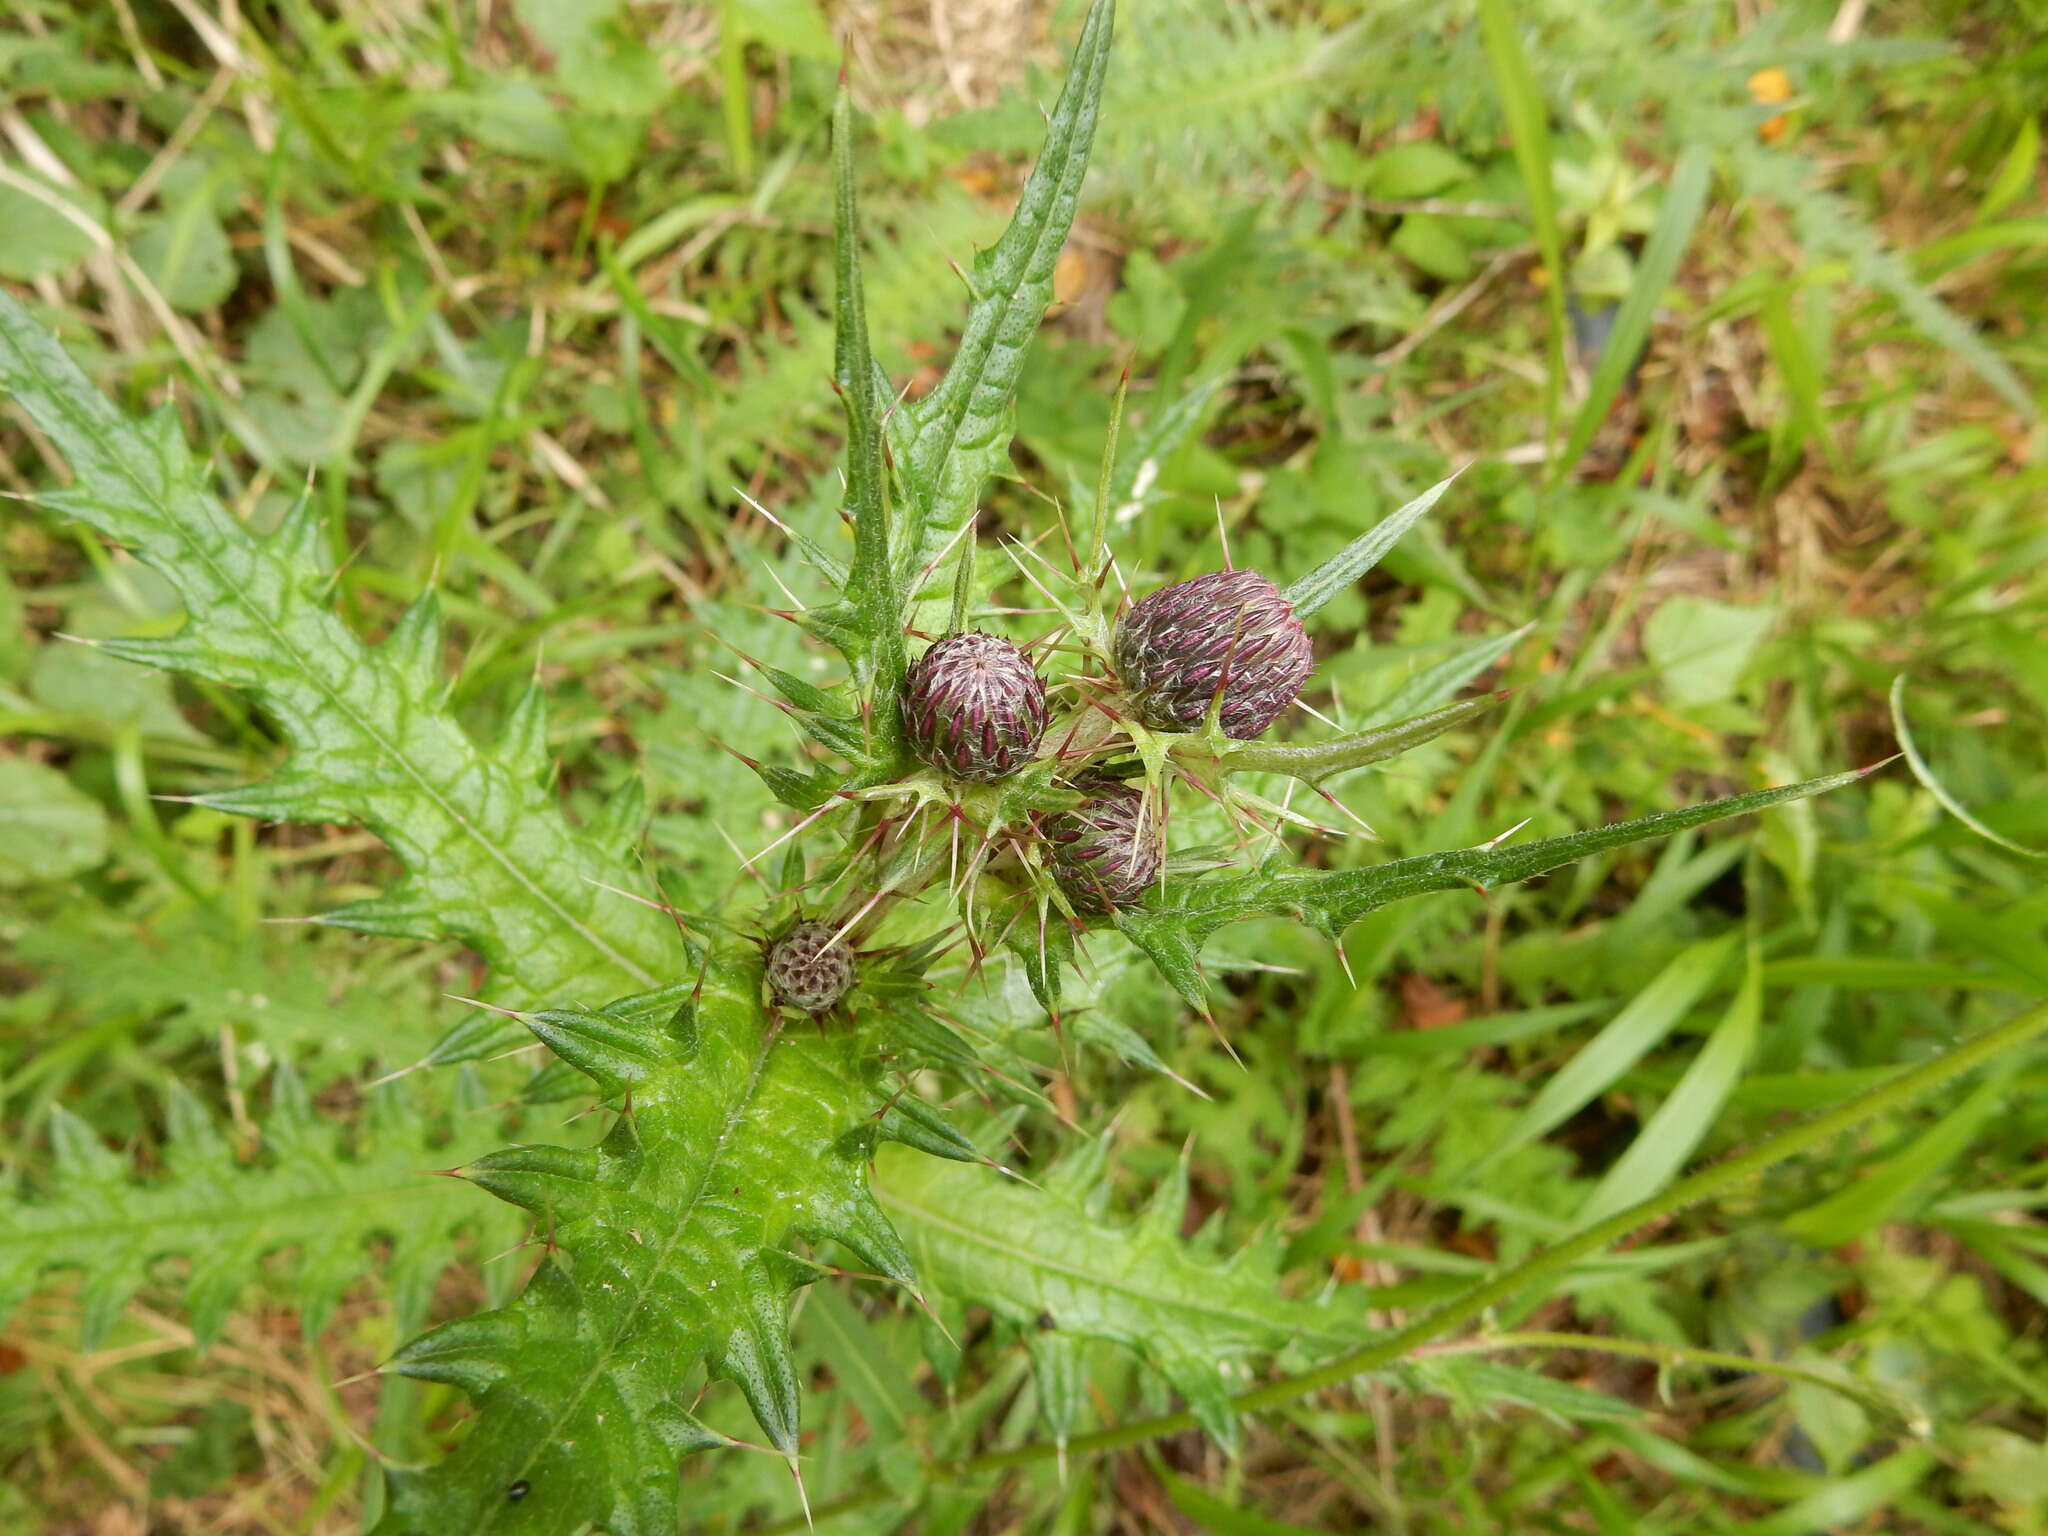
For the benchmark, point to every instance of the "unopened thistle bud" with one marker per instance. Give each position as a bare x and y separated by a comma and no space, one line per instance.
1229,638
1107,850
975,706
809,969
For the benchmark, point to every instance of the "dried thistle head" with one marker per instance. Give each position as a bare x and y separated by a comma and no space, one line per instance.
974,705
1107,850
809,969
1230,638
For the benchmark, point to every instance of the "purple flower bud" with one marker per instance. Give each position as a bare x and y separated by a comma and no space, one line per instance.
1229,637
809,969
974,705
1107,850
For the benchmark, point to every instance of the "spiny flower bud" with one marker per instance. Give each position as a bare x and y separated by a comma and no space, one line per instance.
1229,637
974,705
1107,850
809,969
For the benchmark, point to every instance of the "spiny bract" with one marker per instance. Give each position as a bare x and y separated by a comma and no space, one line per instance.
1229,638
975,706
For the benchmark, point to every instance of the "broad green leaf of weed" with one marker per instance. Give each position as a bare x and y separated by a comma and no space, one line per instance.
1702,647
185,252
36,240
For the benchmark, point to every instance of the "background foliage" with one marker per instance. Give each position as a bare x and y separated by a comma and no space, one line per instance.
530,294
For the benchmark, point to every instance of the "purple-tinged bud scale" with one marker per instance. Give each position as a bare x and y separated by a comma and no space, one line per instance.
974,706
1106,851
809,969
1229,638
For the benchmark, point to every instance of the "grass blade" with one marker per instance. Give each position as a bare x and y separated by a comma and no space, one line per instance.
1683,1120
1910,750
1529,127
1651,1015
1683,200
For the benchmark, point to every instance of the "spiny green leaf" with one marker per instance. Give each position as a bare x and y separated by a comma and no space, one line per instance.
959,433
667,1249
1172,927
1045,1262
309,1192
490,857
872,591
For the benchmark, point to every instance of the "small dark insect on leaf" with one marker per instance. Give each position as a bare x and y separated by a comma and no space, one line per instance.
1047,1322
518,1491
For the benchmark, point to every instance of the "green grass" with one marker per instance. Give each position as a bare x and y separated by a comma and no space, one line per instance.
529,309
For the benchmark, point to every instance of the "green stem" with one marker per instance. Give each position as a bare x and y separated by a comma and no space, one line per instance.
1314,761
1880,1402
1720,1178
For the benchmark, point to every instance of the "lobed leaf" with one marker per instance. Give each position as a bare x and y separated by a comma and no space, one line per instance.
1046,1263
872,591
667,1250
311,1194
490,858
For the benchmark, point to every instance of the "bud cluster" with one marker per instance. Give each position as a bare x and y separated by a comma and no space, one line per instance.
974,707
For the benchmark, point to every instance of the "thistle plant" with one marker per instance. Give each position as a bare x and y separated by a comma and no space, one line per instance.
998,801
